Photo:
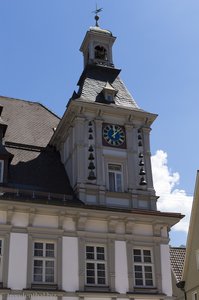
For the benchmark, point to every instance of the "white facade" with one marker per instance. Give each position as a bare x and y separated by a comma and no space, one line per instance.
118,232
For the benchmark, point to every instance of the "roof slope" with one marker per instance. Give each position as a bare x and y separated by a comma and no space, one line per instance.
94,79
35,166
28,122
191,267
177,257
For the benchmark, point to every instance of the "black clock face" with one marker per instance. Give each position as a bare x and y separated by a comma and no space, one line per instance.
114,135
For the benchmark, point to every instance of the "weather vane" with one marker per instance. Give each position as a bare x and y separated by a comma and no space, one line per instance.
98,10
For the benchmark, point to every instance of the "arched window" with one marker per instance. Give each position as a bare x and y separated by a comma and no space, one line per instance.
100,52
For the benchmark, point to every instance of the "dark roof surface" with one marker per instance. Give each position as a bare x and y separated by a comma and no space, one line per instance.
28,122
94,79
177,257
34,166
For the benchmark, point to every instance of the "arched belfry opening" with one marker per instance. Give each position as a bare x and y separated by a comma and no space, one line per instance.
100,53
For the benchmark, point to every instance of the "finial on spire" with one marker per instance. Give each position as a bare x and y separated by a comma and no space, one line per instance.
96,15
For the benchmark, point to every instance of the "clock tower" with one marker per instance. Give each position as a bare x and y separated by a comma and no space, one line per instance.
103,136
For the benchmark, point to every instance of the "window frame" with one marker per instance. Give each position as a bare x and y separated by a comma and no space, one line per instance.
143,264
194,295
115,172
44,259
96,262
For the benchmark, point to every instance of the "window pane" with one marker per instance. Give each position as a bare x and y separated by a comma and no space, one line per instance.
50,250
100,253
49,271
90,269
138,268
137,255
1,171
38,270
90,252
119,182
101,274
138,282
147,256
90,273
101,281
148,269
111,181
38,249
149,282
90,280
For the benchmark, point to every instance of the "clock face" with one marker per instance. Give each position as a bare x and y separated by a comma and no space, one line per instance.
113,135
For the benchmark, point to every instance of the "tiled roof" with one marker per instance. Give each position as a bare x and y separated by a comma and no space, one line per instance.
177,257
93,80
28,122
35,166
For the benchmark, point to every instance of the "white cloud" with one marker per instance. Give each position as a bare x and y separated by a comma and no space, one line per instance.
171,199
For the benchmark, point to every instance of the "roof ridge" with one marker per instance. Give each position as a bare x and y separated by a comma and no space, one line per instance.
33,102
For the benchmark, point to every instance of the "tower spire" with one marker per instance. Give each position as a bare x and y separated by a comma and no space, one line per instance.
98,10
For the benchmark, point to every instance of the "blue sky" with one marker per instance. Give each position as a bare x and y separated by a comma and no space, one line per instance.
157,49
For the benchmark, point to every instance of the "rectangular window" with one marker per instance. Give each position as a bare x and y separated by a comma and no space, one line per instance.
115,177
44,262
1,170
95,265
1,259
143,267
194,296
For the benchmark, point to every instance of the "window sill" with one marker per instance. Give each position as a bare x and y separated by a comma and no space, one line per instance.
96,288
44,286
123,194
145,289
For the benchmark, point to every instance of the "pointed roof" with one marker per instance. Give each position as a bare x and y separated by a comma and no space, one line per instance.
93,80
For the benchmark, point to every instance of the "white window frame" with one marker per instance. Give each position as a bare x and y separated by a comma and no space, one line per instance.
194,295
115,187
96,262
44,259
143,264
1,170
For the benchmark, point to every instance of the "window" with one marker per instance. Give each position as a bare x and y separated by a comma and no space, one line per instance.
95,265
115,177
143,268
1,170
1,259
194,296
100,53
43,262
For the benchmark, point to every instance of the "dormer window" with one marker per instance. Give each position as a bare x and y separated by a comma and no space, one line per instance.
100,53
109,93
109,97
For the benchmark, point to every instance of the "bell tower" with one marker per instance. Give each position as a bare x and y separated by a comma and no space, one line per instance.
97,46
104,137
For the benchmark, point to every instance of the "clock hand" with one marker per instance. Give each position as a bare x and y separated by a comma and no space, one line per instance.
114,134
